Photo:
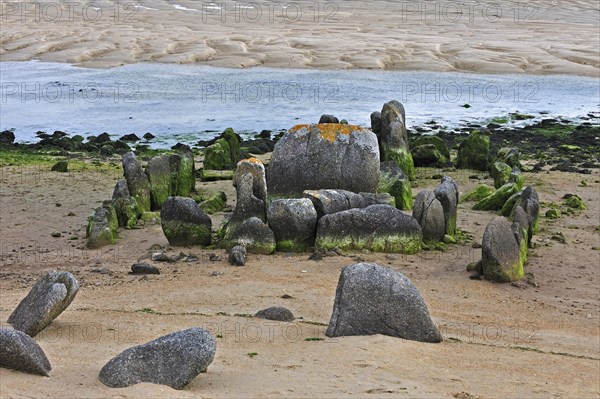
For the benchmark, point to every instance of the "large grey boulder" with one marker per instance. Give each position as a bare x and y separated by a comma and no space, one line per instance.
185,223
501,253
173,360
428,211
372,299
294,223
254,234
380,228
102,226
392,180
137,181
158,171
447,193
327,202
393,138
20,352
322,156
48,298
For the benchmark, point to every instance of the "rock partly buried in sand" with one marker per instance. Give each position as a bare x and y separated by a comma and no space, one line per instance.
102,226
294,223
254,234
183,181
277,313
20,352
185,223
447,194
137,181
144,268
48,298
326,118
428,211
173,360
61,166
372,299
393,138
500,253
380,228
158,171
327,202
322,156
393,181
474,151
237,255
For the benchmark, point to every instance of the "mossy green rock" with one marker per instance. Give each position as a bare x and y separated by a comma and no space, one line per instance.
508,207
404,160
500,172
137,181
574,201
61,166
482,191
553,213
102,227
234,145
509,156
394,182
183,181
253,234
158,171
436,141
216,157
474,151
185,223
496,200
215,203
127,211
427,155
379,228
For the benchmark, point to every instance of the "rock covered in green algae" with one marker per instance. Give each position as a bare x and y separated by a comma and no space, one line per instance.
185,223
324,156
479,193
254,234
294,223
394,182
500,172
393,138
497,199
137,181
473,152
379,228
215,203
183,181
158,171
102,226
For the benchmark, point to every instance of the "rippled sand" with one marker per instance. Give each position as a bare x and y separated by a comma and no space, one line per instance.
558,37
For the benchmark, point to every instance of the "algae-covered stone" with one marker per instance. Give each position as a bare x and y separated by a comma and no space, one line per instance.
379,228
294,223
447,193
574,201
60,166
215,203
102,226
18,351
234,144
137,181
127,212
253,234
185,223
473,152
324,156
501,253
427,155
500,172
428,211
158,171
183,181
48,298
496,200
393,181
508,207
217,155
373,299
482,191
509,156
553,213
331,201
439,144
516,177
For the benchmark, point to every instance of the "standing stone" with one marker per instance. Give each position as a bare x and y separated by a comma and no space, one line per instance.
428,211
393,140
48,298
183,181
102,226
247,205
376,122
379,228
326,118
137,181
127,212
324,156
158,171
393,181
372,299
254,234
294,223
500,253
173,360
256,168
185,223
327,202
474,151
447,193
530,203
121,190
19,352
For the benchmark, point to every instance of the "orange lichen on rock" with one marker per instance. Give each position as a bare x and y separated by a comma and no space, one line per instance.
330,131
253,160
298,127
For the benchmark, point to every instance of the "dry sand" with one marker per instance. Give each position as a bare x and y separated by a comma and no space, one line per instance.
504,36
538,338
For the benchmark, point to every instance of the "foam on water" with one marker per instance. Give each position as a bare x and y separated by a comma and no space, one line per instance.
190,102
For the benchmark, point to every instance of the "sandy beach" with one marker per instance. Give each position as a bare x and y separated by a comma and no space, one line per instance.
558,37
536,338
